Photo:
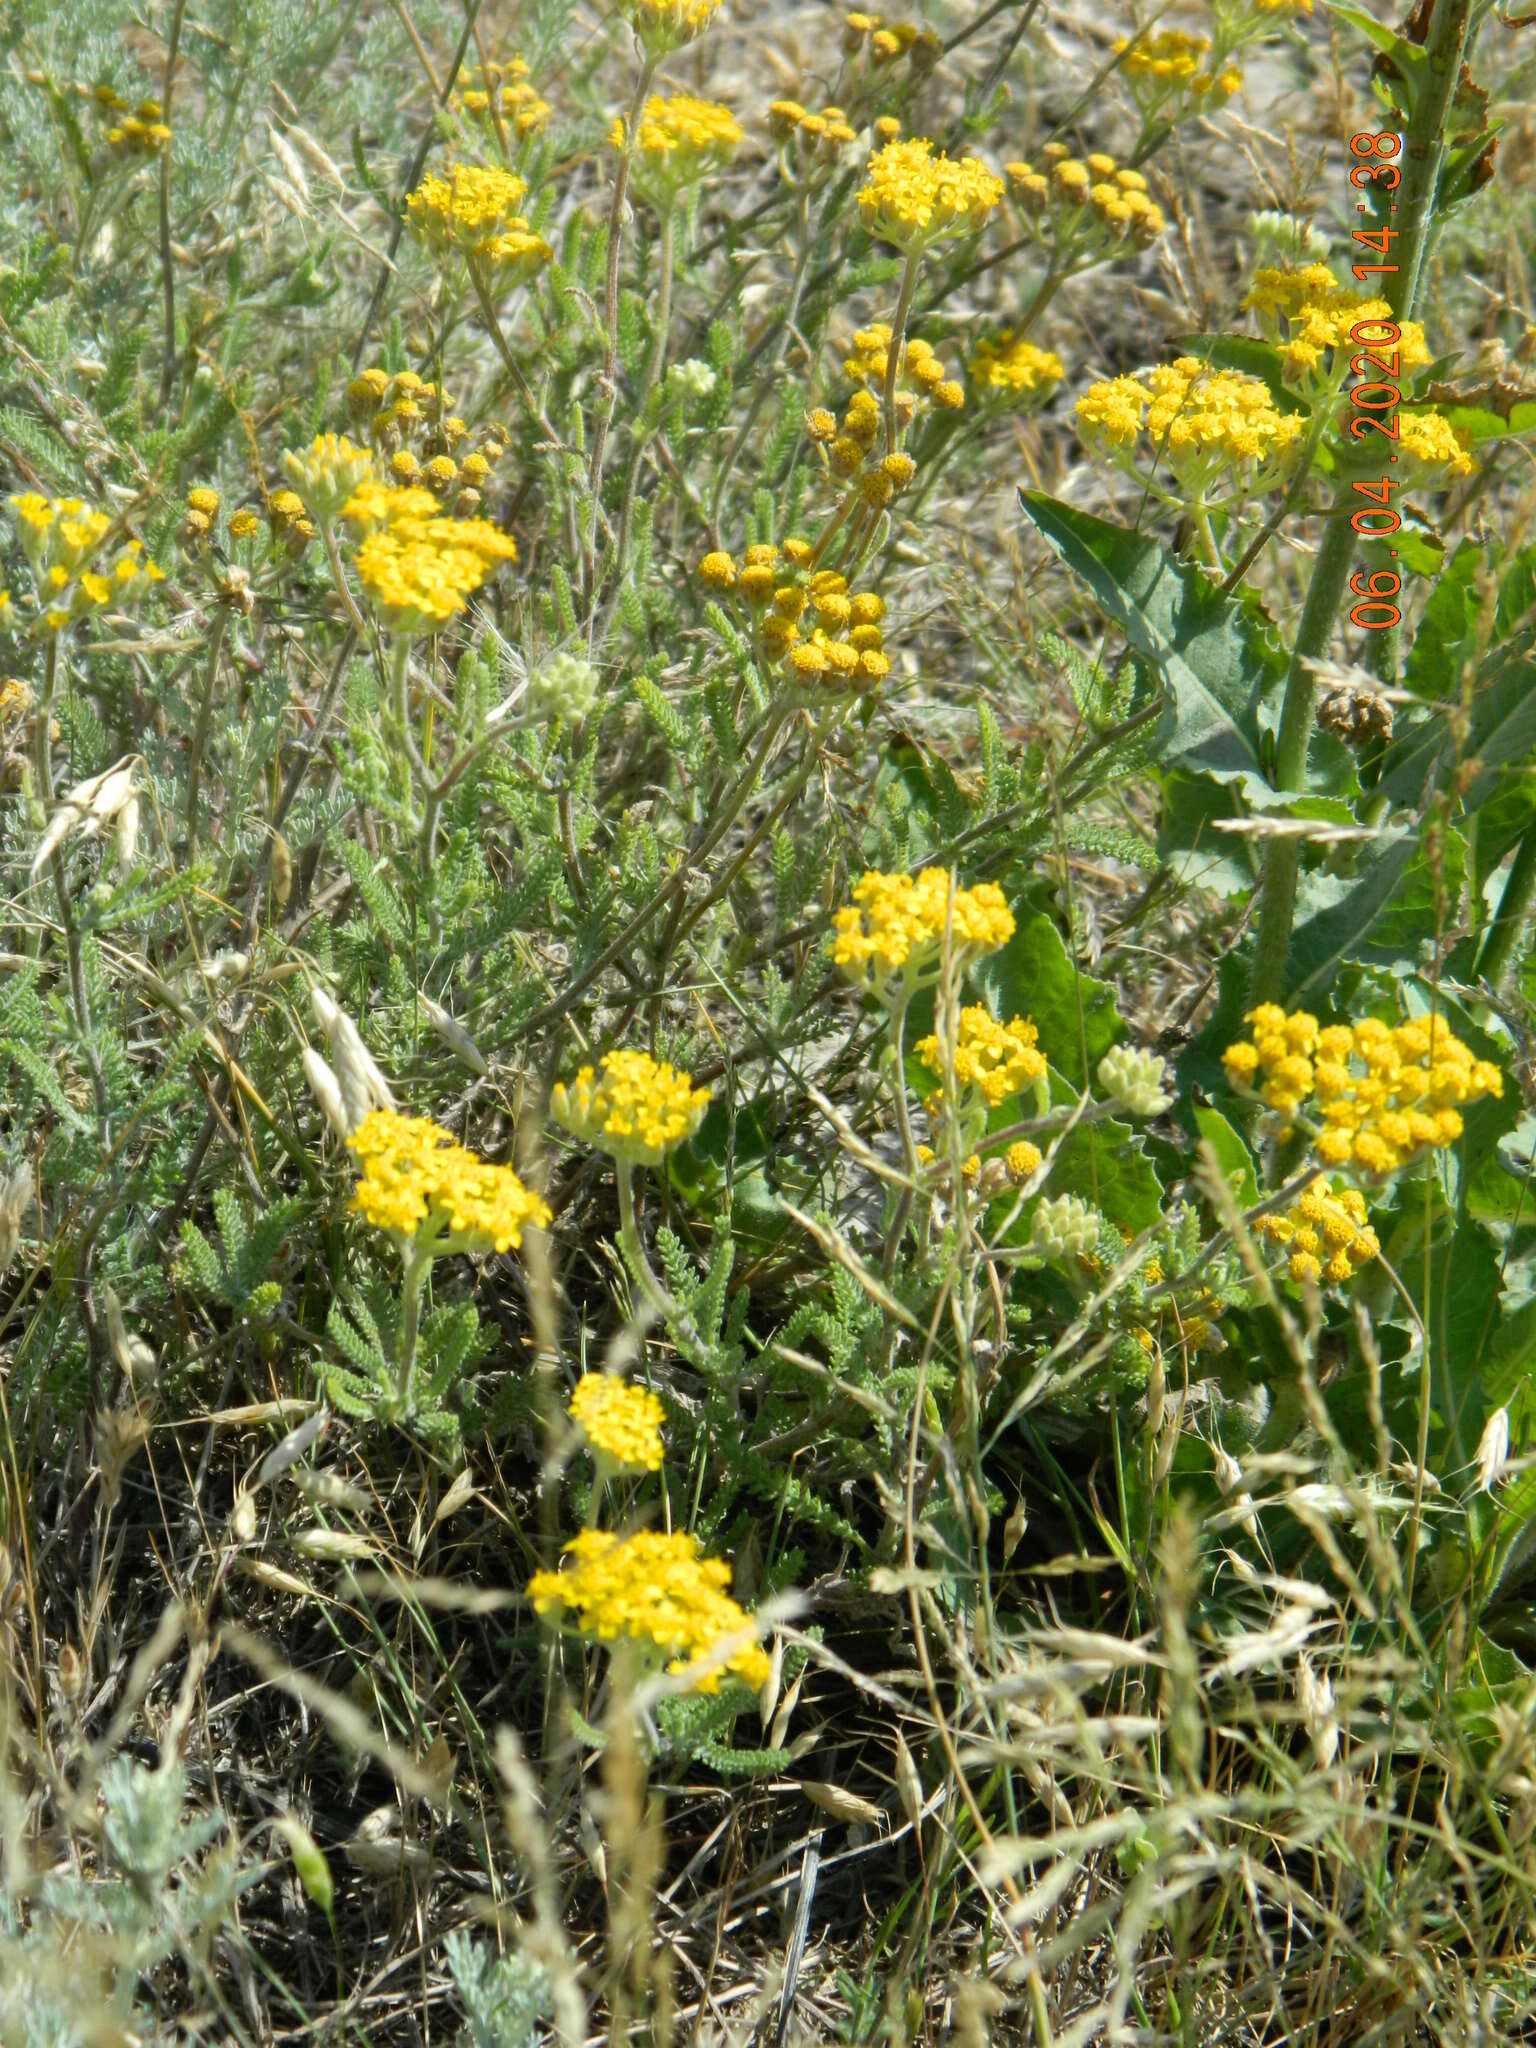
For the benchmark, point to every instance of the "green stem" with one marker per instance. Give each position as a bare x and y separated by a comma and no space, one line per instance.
204,720
1423,153
671,1311
610,380
898,337
167,267
418,1265
42,768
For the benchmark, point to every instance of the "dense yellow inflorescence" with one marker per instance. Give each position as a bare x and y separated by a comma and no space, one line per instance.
1310,314
997,1059
415,1175
912,197
417,565
1325,1234
622,1422
657,1591
896,924
71,577
1199,419
631,1106
1432,442
1378,1094
1005,362
679,139
475,211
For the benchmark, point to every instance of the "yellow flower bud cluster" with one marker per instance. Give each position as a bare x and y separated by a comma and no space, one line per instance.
1325,1234
1199,420
1172,64
808,619
827,132
886,40
635,1108
1430,439
412,425
417,1180
502,98
288,520
1376,1096
71,577
920,379
896,926
1008,364
913,198
474,211
1082,206
622,1422
654,1590
678,141
417,565
327,473
142,133
996,1060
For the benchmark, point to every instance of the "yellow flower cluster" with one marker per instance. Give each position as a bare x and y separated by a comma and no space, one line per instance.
417,565
1006,362
633,1107
415,1173
1325,1232
474,210
807,618
141,133
503,97
1310,313
829,129
1200,419
622,1422
997,1059
896,925
1381,1094
413,426
61,539
665,25
1085,201
1432,442
888,39
657,1591
920,377
1173,62
202,510
913,198
679,140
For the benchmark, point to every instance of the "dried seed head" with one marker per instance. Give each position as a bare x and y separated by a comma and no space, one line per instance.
15,1194
326,1090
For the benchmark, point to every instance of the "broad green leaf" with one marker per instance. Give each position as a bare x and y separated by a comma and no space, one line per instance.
1387,916
1035,976
1447,631
1205,648
1107,1164
1232,1155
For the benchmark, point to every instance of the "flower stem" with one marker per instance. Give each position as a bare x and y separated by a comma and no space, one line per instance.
651,1285
898,337
418,1264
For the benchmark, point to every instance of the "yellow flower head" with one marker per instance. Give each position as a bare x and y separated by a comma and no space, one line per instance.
1197,419
1431,441
419,1181
1170,62
654,1590
71,573
474,210
913,198
678,140
1378,1094
1325,1234
999,1060
896,925
621,1421
1007,363
633,1107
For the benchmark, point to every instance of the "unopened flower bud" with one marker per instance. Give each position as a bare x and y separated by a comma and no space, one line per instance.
1064,1226
562,686
1135,1078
